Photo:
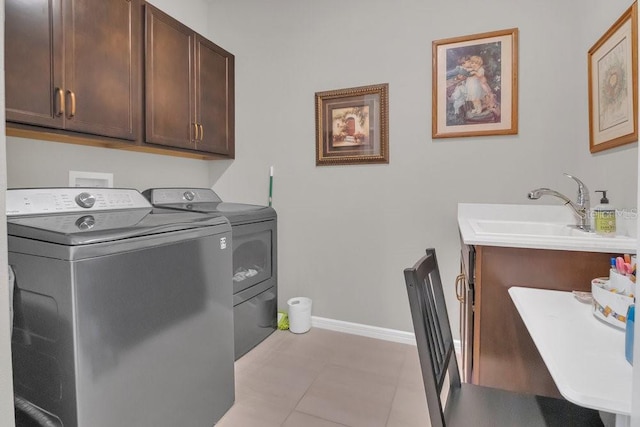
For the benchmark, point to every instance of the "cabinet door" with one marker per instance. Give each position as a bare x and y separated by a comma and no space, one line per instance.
214,72
505,355
102,67
169,108
33,62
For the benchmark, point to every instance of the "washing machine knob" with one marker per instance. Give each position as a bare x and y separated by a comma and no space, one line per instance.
86,222
189,195
85,200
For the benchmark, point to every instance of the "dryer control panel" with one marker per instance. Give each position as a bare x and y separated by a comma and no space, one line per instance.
36,201
164,196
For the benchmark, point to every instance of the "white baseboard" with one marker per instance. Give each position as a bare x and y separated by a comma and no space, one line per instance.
393,335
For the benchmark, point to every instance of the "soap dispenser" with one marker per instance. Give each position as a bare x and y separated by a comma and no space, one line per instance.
605,216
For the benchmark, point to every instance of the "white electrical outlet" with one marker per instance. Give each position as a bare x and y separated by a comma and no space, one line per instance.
90,179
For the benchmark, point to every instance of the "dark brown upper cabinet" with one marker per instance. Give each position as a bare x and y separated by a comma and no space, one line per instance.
75,65
189,88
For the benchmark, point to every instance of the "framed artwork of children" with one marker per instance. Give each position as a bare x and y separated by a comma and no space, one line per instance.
475,85
352,125
613,85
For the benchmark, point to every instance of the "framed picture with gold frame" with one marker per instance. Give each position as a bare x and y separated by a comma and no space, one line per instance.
613,85
475,85
352,125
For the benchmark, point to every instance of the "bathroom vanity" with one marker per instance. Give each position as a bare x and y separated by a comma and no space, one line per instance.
521,245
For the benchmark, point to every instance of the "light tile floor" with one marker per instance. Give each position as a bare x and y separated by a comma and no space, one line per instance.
328,379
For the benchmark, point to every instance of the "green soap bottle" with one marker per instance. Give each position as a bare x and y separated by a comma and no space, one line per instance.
605,216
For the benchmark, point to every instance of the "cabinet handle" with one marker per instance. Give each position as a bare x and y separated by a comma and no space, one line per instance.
195,132
59,108
460,288
72,96
201,132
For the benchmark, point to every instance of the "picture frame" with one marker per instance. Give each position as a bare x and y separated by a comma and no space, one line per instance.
352,125
613,85
475,85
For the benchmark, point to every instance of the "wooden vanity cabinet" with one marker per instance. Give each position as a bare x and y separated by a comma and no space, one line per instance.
504,355
75,65
189,84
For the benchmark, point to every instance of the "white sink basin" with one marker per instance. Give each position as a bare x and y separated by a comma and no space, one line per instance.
538,227
525,228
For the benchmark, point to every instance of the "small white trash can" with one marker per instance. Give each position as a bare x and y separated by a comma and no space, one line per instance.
299,314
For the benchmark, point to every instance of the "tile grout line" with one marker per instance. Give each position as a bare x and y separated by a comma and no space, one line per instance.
395,393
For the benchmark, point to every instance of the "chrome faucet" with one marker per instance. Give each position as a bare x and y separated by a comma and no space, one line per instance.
581,206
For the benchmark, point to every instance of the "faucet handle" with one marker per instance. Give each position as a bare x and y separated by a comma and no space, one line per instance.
583,191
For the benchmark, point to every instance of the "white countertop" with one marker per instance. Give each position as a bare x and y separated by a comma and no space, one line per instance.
584,355
539,227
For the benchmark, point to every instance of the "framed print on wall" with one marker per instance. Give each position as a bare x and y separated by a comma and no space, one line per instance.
475,85
613,85
352,125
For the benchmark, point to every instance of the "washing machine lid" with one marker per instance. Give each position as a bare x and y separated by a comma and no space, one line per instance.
70,216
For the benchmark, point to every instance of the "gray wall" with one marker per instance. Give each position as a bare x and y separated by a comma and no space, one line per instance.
347,232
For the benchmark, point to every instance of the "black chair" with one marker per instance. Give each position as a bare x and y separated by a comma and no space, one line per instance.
469,405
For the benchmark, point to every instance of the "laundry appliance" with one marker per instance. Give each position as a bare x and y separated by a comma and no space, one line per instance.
254,241
123,313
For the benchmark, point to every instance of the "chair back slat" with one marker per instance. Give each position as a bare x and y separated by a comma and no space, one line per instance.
433,332
430,314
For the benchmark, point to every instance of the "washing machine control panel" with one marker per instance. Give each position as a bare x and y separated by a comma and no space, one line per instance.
35,201
164,196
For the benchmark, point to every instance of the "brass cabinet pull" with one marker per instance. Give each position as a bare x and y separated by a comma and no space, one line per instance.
460,288
72,96
59,108
201,132
195,132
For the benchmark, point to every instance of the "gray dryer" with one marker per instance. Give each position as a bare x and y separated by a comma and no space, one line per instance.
255,258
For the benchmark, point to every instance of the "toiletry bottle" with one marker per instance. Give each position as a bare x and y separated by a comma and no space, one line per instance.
629,331
605,216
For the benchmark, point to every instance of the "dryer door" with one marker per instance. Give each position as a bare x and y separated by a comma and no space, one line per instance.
254,249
